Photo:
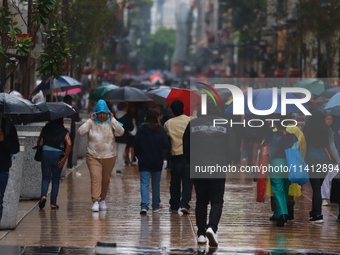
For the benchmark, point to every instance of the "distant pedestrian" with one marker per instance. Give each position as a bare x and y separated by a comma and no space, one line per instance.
74,118
180,171
122,141
9,144
318,138
101,128
151,140
56,142
326,185
132,112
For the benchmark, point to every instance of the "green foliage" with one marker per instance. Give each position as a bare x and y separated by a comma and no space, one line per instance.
22,46
160,44
43,10
56,50
89,23
319,17
247,17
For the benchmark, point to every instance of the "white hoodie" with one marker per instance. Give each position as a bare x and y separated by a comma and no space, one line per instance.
101,137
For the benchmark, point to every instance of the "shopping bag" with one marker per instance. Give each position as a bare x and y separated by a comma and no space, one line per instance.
296,164
261,175
335,190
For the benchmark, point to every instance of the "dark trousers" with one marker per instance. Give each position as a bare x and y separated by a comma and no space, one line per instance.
180,173
3,185
317,198
208,190
70,156
316,180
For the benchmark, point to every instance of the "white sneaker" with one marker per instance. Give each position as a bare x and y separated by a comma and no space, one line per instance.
95,207
325,202
212,236
102,205
201,239
185,210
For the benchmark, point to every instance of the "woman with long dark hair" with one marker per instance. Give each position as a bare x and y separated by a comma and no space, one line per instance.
56,142
150,141
317,158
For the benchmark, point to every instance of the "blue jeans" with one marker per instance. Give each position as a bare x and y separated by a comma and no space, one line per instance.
3,184
49,167
180,173
144,189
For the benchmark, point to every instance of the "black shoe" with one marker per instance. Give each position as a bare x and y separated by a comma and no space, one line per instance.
282,220
42,203
54,207
290,212
273,218
316,219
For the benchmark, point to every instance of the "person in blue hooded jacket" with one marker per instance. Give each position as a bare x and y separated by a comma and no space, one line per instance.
101,128
150,141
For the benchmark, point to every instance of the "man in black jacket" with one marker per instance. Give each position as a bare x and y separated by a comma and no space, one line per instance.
9,144
206,145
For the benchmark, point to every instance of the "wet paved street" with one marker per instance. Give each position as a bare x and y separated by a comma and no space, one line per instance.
244,227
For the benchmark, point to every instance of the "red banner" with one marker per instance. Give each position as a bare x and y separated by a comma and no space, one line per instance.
21,36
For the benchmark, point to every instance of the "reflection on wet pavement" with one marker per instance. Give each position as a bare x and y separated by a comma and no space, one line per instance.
52,250
244,227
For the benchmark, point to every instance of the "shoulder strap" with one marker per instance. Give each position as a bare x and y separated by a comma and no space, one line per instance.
329,156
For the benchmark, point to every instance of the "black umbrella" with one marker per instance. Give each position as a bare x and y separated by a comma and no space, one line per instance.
49,111
16,105
126,94
144,86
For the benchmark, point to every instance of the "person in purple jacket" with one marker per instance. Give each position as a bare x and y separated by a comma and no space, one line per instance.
150,141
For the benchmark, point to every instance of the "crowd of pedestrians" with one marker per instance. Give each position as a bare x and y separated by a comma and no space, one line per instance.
133,134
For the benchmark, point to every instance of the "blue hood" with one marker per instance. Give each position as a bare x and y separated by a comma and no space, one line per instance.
102,107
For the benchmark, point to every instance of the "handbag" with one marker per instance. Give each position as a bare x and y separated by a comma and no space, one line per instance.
297,166
38,153
335,190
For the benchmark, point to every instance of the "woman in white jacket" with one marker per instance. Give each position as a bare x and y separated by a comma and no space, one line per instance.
101,129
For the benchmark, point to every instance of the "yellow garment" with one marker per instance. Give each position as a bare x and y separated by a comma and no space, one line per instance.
175,128
294,188
301,138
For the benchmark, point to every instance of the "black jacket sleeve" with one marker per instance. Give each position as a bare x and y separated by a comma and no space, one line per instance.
231,148
11,141
186,143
